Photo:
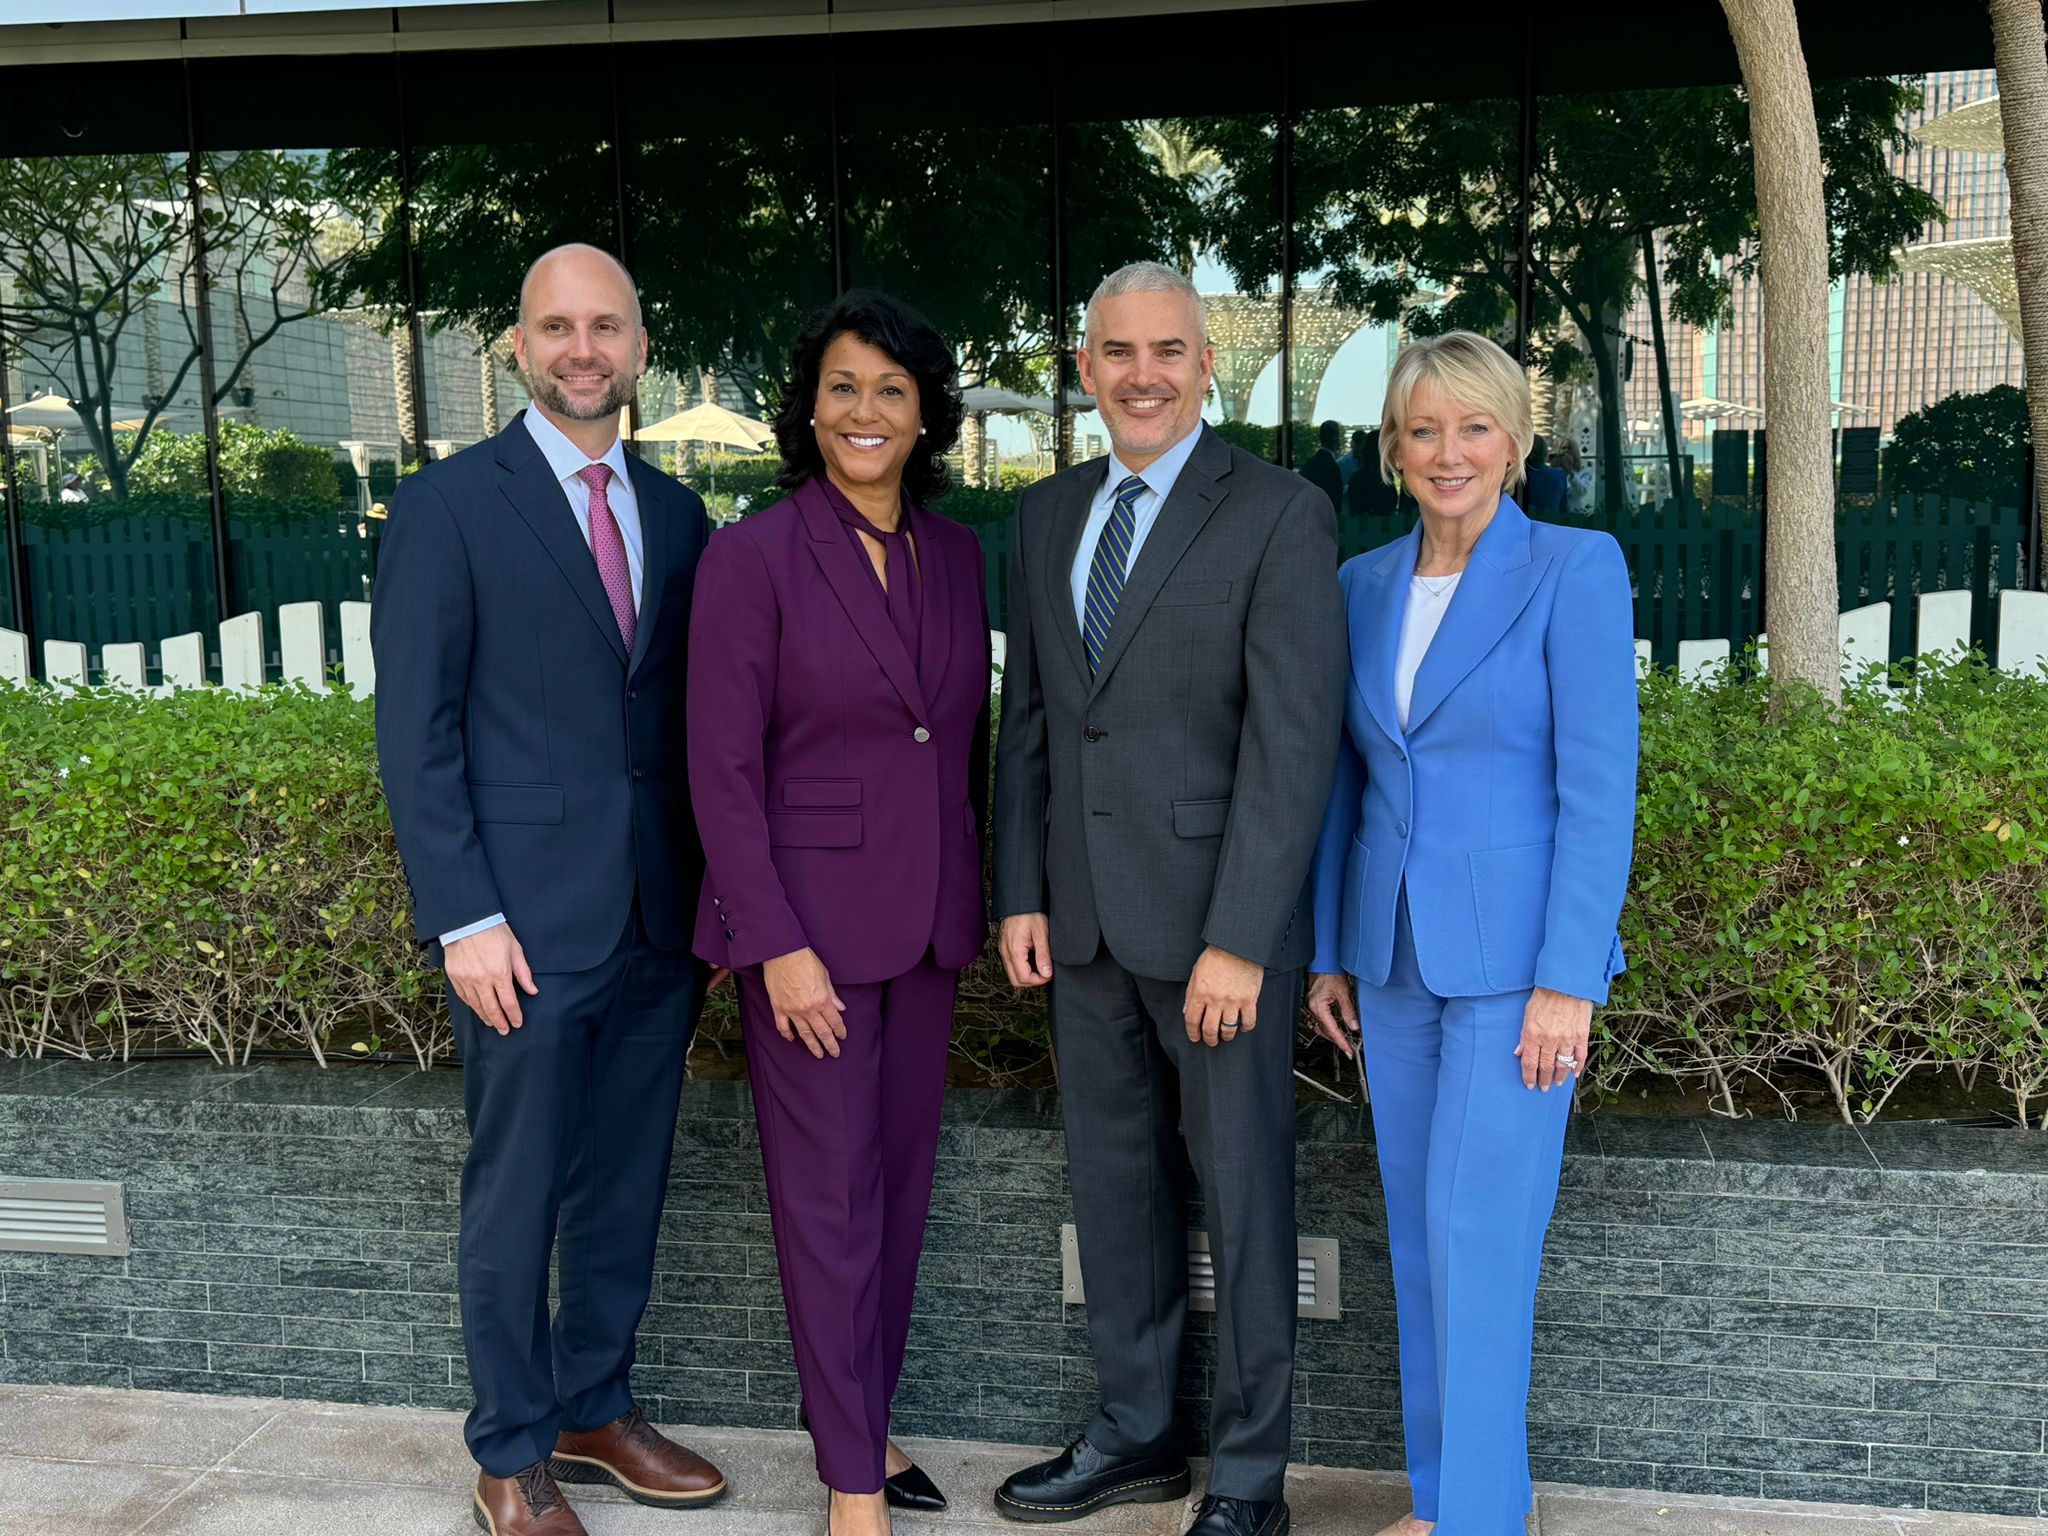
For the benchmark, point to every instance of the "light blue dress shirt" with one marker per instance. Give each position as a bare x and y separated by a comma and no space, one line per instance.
1159,477
568,463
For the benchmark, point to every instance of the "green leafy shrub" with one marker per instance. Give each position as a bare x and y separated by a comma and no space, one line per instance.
1851,897
1970,447
211,869
272,464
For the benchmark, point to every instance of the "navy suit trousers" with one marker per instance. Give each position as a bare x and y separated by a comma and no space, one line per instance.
571,1119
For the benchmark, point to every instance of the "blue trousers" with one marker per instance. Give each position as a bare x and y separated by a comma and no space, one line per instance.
1469,1159
571,1119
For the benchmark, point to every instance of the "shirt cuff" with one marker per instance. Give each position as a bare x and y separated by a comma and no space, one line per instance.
462,933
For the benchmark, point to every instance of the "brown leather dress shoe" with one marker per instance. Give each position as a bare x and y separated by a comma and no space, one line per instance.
640,1460
528,1504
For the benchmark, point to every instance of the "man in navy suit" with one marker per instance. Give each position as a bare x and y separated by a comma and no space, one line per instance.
531,616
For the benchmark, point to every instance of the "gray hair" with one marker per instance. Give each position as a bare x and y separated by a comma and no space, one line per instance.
1147,277
544,257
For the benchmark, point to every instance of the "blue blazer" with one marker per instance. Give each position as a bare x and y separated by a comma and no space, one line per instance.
1508,805
532,766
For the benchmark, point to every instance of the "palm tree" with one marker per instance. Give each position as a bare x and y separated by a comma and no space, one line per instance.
1184,157
2022,56
1799,552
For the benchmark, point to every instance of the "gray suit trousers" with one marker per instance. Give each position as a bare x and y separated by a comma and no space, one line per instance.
1133,1088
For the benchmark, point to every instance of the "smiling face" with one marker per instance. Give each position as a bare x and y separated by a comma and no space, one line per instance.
1147,366
1454,460
578,341
867,415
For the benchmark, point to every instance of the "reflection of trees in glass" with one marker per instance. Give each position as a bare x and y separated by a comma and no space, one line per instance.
97,245
1971,447
1413,211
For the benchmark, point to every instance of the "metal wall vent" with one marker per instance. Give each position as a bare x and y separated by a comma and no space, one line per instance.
62,1216
1315,1272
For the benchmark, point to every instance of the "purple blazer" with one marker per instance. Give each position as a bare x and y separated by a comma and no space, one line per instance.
840,799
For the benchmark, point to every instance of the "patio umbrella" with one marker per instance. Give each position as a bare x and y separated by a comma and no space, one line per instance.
50,411
709,424
1983,266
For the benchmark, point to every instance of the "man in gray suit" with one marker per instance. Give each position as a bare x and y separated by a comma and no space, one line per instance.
1171,702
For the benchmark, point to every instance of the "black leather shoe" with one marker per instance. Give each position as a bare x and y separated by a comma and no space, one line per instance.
1081,1480
911,1489
1222,1516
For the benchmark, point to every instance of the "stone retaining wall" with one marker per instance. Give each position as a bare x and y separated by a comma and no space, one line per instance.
1787,1311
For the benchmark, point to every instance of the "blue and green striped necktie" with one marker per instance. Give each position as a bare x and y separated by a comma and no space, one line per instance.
1106,572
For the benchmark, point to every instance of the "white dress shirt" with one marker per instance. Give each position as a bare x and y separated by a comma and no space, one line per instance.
1429,598
1159,477
568,463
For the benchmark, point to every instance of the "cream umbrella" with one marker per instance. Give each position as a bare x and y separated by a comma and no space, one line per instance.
709,423
52,412
1983,266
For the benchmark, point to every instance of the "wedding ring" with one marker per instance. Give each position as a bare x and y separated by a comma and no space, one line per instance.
1567,1059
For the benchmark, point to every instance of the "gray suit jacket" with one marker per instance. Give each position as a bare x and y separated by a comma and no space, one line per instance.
1172,801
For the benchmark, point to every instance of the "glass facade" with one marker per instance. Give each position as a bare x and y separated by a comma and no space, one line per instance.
238,304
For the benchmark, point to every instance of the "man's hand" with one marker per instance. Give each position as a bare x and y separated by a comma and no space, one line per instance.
488,971
1026,946
805,1005
1333,1008
1223,997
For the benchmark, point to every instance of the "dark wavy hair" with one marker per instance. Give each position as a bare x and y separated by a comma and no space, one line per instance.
890,326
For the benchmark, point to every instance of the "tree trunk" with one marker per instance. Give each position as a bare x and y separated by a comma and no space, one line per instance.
974,448
404,395
2022,57
487,381
1613,408
1799,554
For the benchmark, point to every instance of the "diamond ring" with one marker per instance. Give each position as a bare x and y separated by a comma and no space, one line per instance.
1567,1059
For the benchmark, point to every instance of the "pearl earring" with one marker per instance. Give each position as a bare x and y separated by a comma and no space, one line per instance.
814,421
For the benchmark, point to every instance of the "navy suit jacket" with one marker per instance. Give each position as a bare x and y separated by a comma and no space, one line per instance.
1508,805
532,766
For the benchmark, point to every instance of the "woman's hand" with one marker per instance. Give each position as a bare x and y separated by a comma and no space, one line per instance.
805,1005
1332,1006
1556,1029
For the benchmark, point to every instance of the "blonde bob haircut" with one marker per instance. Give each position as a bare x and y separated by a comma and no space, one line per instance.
1471,372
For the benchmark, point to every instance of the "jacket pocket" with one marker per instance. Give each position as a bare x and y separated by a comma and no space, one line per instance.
538,805
1510,890
814,829
1200,818
1188,594
806,793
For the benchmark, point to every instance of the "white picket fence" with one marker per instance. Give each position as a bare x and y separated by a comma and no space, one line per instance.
301,644
1944,626
1864,635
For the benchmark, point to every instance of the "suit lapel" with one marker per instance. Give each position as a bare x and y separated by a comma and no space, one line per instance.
1070,521
935,629
1196,494
1377,606
534,493
654,552
841,559
1499,580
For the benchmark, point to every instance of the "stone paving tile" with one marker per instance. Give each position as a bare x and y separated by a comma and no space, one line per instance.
127,1427
74,1498
256,1504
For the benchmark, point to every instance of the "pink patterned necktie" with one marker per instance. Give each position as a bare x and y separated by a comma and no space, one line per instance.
608,548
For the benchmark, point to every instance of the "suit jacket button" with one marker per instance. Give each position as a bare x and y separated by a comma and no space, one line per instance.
1400,829
729,933
920,734
632,696
638,774
1091,734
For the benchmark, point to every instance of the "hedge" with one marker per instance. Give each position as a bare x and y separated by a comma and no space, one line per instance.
1853,899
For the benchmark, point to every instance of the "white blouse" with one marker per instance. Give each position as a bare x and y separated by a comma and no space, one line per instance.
1428,598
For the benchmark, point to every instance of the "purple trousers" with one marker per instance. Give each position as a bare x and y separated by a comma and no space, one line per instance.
848,1145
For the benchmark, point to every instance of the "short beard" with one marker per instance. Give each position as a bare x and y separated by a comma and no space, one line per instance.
548,393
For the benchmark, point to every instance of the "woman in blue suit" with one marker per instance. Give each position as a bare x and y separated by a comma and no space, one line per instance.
1470,873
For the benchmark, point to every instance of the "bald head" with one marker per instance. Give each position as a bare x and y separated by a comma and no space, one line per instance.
579,265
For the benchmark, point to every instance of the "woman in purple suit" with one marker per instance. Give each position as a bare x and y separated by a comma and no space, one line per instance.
838,742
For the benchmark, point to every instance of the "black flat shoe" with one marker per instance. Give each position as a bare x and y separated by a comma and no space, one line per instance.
1222,1516
1081,1480
911,1489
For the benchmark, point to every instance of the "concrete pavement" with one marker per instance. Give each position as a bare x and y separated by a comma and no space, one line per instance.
92,1462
